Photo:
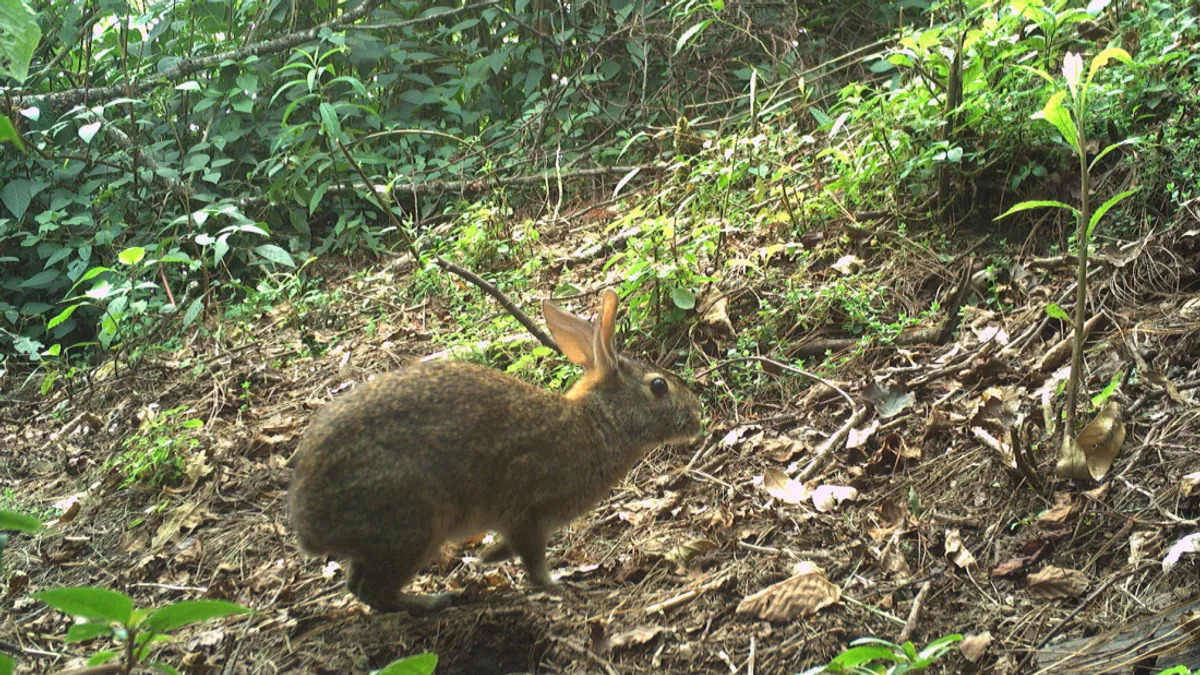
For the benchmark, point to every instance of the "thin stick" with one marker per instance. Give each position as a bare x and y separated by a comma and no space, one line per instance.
914,614
501,298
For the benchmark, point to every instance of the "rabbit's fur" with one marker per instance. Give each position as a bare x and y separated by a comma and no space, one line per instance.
442,451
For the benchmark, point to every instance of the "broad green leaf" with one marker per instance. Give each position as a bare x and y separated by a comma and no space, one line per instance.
330,122
86,631
1112,201
683,299
7,665
1100,399
16,195
62,316
861,655
132,255
690,33
19,522
164,668
19,35
41,279
1060,117
190,85
418,664
188,612
1100,60
1110,148
275,254
1056,312
1037,204
100,290
88,131
193,311
102,657
8,133
89,603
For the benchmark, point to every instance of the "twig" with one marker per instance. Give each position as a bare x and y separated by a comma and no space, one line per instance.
914,614
501,298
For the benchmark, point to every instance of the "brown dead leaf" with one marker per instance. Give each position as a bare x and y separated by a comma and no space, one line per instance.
634,637
892,560
957,551
1140,544
1189,485
1102,439
857,438
195,468
973,647
17,582
1011,566
847,265
804,594
1071,465
1065,508
1057,583
781,449
182,519
714,315
684,553
828,497
783,488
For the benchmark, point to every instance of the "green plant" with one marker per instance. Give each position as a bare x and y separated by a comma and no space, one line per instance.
869,656
157,453
418,664
1070,123
108,613
10,520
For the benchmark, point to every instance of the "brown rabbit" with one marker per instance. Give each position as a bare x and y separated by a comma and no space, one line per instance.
442,451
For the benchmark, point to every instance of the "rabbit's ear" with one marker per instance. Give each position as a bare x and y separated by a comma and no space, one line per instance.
573,334
604,342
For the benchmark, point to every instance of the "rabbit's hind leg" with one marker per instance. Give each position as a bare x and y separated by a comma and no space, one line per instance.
529,542
377,579
498,552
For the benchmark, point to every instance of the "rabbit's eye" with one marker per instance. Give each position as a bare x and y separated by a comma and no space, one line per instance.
658,386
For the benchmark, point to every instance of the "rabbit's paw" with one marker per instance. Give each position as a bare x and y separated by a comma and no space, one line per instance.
417,604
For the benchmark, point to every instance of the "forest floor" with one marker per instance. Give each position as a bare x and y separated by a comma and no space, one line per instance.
707,558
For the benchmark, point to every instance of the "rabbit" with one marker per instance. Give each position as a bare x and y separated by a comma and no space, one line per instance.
443,451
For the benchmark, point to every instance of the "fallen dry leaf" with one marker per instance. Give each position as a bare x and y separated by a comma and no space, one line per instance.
1188,544
1140,543
804,594
856,438
847,265
888,402
1057,583
828,497
636,636
684,553
957,551
1064,509
1102,439
1189,484
973,647
783,488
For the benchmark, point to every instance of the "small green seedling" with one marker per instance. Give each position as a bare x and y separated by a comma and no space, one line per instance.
873,656
109,613
417,664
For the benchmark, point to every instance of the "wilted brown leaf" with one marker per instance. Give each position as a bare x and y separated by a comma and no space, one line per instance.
1057,583
856,438
804,594
973,647
1189,485
957,551
684,553
1064,509
1102,439
636,636
783,488
828,497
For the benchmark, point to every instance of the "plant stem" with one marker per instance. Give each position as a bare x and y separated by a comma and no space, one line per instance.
1081,275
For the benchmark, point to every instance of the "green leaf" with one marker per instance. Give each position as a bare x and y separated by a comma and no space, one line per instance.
89,603
683,299
190,85
8,133
102,657
863,654
62,316
16,195
1054,113
330,122
1037,204
19,35
88,131
165,668
193,311
188,612
1100,155
19,522
1100,60
7,665
41,279
1112,201
132,255
275,254
690,33
87,631
1056,312
418,664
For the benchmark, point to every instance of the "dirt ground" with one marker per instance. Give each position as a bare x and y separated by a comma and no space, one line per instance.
917,523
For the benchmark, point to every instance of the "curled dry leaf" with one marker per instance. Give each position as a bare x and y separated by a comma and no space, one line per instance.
636,636
714,314
828,497
973,647
1102,439
1189,485
1057,583
684,553
957,551
783,488
856,438
1188,544
1072,465
848,265
1064,509
888,402
1140,543
804,594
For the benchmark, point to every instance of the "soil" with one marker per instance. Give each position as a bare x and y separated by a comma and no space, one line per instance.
916,524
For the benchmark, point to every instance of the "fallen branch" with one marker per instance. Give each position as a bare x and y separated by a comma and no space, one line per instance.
501,298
